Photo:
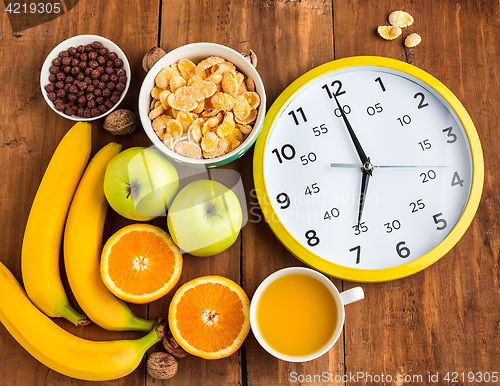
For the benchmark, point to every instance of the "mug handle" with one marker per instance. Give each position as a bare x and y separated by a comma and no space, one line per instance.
352,295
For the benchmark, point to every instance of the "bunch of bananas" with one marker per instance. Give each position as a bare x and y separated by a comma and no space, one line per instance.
26,315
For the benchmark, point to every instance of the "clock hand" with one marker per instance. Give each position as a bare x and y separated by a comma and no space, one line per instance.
357,166
364,189
362,156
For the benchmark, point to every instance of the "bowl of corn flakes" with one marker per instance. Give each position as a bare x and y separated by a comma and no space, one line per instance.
202,104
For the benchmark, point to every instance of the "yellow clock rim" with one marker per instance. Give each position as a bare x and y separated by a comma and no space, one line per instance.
356,274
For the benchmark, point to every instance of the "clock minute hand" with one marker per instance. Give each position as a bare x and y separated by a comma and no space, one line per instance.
359,149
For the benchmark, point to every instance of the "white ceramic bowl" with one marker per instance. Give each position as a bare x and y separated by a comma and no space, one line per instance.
75,41
196,52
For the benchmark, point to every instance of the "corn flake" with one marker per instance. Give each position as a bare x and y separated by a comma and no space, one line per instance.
223,67
400,19
252,98
209,113
242,88
236,134
183,100
162,80
211,122
227,126
163,97
241,107
230,83
209,141
389,32
215,78
174,128
239,78
188,149
219,150
195,131
412,40
176,83
185,119
155,92
249,119
168,141
193,79
186,68
222,101
250,84
159,124
244,129
156,112
173,112
207,63
199,109
232,144
202,89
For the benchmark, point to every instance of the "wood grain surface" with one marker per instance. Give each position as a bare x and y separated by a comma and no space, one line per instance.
443,319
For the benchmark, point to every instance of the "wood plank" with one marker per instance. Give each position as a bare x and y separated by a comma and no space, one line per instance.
206,22
30,132
291,39
442,319
193,370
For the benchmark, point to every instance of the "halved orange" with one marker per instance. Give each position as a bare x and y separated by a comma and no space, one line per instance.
209,317
140,263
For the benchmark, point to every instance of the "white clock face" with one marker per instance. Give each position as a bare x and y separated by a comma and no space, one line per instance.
421,176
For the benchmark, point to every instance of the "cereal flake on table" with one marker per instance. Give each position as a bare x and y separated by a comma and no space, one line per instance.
400,19
203,110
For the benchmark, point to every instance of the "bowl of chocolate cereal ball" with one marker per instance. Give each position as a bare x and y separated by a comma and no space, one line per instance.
203,104
85,77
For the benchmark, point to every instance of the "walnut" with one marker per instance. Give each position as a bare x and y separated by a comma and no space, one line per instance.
172,347
161,365
251,57
120,122
152,57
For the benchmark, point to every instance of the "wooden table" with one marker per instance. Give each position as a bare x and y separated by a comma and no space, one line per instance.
444,319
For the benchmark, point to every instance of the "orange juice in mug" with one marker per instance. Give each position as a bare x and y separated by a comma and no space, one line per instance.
297,314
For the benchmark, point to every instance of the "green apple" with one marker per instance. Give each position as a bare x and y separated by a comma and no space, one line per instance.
205,218
140,183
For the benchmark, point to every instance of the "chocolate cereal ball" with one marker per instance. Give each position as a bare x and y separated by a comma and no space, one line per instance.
86,80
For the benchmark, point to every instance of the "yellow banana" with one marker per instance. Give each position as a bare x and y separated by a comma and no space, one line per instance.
61,351
83,247
44,229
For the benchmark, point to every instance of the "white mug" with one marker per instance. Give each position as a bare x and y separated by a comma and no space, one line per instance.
341,299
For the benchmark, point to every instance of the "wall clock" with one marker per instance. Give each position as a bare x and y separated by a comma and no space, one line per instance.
368,169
